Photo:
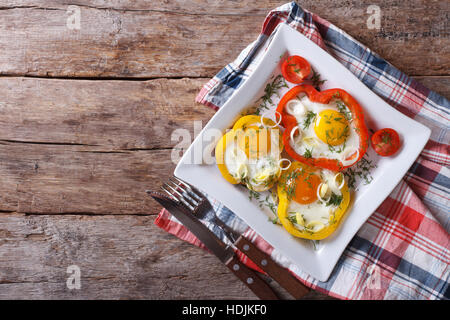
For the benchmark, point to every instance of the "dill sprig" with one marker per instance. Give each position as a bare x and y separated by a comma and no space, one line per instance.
292,218
308,153
362,170
253,195
344,110
335,200
274,220
386,138
315,244
343,133
263,202
291,183
307,179
315,79
308,120
271,88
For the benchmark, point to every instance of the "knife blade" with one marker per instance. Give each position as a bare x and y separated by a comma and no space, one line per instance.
216,246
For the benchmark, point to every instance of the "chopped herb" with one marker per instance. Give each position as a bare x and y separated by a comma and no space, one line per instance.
253,195
344,110
386,138
271,88
335,200
360,171
292,218
291,183
343,134
266,202
275,220
308,120
307,179
270,204
316,82
308,153
336,95
341,148
328,138
315,244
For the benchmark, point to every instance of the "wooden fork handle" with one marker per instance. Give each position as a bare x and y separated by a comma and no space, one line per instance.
273,269
251,279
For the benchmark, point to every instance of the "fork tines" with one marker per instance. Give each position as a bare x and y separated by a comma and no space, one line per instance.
189,189
181,192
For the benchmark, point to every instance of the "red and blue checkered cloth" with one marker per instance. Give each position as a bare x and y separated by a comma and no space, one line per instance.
402,251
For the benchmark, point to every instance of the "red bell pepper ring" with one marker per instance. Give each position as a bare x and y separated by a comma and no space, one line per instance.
324,97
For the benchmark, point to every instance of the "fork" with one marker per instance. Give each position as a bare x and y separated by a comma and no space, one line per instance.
197,202
201,208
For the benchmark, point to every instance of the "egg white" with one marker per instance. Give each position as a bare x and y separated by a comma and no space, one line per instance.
256,173
316,211
307,139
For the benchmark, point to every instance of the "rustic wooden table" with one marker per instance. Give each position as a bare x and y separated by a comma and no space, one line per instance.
86,116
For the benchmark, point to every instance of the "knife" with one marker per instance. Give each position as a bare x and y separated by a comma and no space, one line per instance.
217,247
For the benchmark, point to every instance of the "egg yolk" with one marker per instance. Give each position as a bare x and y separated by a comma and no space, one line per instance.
254,141
304,185
331,127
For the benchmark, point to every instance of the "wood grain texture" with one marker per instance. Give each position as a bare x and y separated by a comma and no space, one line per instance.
120,257
61,179
121,39
93,147
111,115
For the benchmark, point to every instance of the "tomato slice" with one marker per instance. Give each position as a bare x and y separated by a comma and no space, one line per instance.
385,142
295,68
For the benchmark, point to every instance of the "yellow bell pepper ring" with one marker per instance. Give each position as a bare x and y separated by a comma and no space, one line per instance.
238,134
322,231
220,156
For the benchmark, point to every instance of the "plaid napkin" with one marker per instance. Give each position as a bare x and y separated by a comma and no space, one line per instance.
402,251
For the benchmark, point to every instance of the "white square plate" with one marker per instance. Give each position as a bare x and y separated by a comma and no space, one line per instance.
320,262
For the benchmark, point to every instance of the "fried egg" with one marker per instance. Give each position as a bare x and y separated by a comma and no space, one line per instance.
323,130
250,153
311,200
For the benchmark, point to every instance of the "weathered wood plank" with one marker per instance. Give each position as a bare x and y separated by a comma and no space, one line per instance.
120,257
121,39
113,115
90,147
119,43
59,179
199,7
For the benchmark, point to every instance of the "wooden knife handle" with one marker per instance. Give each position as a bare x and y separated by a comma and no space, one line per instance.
273,269
251,279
